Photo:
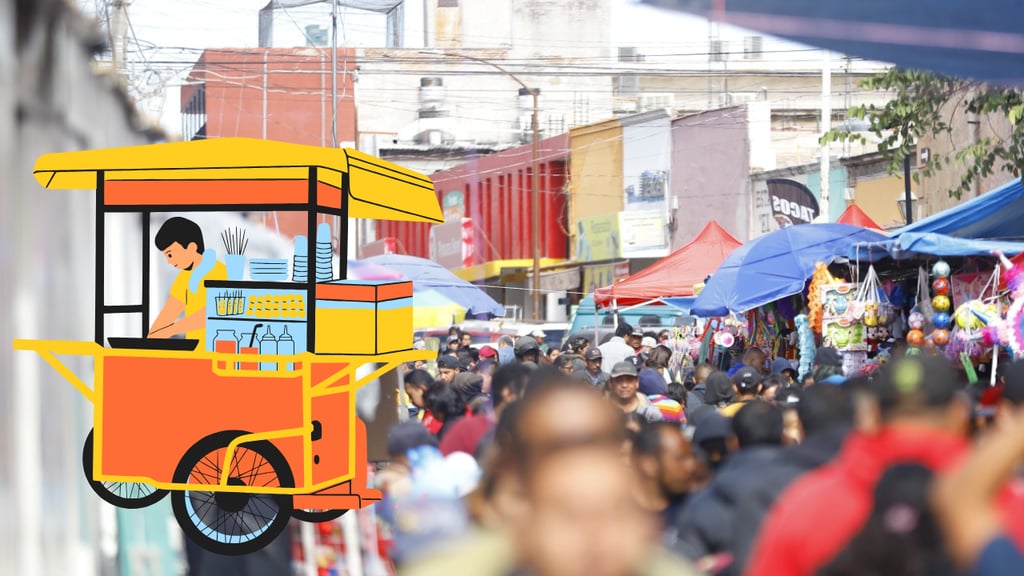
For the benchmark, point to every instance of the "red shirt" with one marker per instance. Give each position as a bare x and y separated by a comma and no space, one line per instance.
466,434
824,510
432,424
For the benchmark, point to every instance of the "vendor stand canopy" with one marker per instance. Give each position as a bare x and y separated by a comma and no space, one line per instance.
775,266
429,275
675,274
979,39
431,308
996,215
854,216
914,244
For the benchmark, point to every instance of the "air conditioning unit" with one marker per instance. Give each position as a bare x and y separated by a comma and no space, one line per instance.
627,84
656,101
752,47
719,50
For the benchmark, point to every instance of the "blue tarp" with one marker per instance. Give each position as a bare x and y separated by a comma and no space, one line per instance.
911,244
775,265
684,303
429,275
980,39
997,215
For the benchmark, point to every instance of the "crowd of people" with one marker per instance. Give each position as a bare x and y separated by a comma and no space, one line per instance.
600,460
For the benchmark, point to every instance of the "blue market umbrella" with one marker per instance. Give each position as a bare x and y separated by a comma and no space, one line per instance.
979,39
776,265
429,275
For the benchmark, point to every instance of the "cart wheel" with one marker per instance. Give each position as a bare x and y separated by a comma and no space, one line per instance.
232,523
120,494
316,516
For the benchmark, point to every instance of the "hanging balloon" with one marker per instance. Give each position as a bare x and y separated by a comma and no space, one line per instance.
940,337
940,286
916,320
915,337
725,339
941,303
940,269
942,320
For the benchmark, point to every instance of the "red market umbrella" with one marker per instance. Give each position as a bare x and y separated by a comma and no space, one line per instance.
854,216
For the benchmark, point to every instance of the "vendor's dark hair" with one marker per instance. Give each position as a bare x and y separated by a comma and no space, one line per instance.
419,378
623,330
901,536
180,230
442,399
659,357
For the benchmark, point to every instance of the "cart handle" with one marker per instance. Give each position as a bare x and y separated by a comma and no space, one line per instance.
47,350
388,362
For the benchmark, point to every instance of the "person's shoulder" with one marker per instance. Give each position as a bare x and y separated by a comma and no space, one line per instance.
488,553
218,272
180,284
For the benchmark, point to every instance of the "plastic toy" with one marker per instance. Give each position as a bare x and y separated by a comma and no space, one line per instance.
915,337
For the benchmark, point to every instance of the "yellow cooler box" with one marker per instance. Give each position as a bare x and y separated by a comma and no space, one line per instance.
363,317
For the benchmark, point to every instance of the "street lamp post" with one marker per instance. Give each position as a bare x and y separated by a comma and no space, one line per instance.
535,180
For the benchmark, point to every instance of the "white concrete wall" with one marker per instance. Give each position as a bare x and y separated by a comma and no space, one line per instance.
52,522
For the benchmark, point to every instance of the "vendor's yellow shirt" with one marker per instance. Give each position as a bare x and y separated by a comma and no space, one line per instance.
194,302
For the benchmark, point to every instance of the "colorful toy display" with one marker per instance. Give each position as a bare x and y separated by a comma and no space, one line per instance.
806,341
815,304
940,304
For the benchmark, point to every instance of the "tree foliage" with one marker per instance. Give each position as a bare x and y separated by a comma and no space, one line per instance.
923,105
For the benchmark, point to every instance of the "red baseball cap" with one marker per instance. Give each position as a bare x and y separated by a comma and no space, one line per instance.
487,352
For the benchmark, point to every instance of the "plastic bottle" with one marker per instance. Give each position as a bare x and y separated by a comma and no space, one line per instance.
286,347
268,345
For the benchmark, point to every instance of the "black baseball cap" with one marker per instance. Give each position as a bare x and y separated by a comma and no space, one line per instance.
746,378
594,354
624,369
915,383
828,357
449,362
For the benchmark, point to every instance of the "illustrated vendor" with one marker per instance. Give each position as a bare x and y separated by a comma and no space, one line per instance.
181,241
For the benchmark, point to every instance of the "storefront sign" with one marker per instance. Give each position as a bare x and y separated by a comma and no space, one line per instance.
602,275
642,233
597,238
453,205
452,245
791,202
379,248
562,280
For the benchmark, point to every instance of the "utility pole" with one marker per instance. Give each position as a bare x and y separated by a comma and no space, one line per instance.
535,184
826,125
118,27
334,73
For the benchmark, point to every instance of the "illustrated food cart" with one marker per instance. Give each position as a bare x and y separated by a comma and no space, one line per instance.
241,442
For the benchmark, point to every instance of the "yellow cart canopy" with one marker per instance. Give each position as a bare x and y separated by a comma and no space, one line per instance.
377,189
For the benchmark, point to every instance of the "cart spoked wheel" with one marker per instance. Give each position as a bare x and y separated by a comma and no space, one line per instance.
232,523
120,494
316,516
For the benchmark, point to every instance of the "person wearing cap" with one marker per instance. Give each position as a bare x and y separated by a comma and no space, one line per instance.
594,374
616,349
635,340
623,393
453,344
448,367
828,366
747,384
647,343
924,421
527,350
706,522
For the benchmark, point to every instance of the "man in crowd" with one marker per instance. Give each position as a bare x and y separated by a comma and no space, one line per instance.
417,382
595,375
706,523
826,415
923,421
828,366
465,340
695,397
448,367
752,358
747,384
506,349
616,350
623,393
527,350
666,464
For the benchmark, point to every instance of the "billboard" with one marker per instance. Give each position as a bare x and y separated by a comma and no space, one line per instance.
598,238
